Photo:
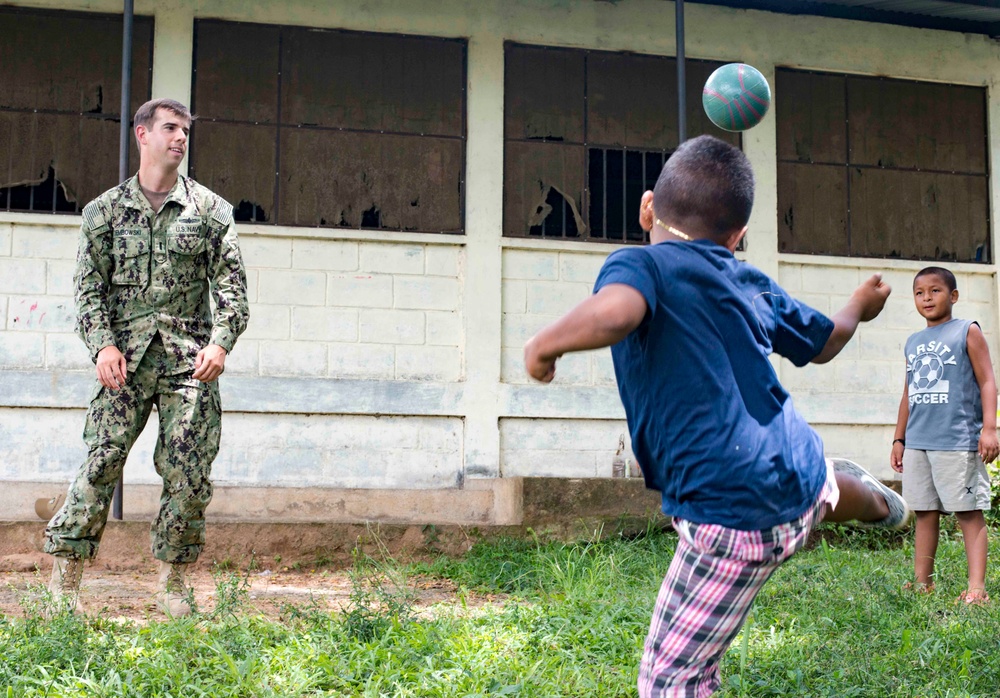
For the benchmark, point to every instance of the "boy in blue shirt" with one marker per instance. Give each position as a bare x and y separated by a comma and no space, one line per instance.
946,430
740,471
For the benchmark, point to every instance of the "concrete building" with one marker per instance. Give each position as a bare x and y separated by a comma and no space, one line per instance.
423,185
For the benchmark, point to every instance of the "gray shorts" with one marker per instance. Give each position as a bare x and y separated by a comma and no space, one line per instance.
946,481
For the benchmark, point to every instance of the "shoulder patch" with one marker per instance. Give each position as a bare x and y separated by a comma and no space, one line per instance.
93,218
223,212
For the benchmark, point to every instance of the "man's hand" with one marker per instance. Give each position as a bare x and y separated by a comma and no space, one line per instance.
209,364
871,296
111,367
989,448
539,368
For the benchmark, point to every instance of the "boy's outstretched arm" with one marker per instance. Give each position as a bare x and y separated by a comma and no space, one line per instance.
865,304
605,318
979,356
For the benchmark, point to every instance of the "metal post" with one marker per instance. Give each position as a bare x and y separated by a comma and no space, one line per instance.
681,74
123,145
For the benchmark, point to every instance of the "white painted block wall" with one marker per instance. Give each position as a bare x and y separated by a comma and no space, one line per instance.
409,346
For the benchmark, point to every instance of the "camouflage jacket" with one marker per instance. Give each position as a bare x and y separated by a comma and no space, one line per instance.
139,272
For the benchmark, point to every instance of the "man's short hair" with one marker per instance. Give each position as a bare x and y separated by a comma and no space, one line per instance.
146,114
705,186
945,274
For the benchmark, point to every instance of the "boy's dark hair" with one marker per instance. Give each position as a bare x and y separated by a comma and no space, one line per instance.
146,114
945,274
705,188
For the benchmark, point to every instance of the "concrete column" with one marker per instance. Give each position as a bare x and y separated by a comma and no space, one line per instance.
483,229
760,145
173,51
993,131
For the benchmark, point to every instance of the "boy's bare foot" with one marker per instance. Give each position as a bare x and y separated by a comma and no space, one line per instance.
973,597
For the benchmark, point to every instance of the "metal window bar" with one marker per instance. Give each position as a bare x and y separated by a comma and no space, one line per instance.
620,190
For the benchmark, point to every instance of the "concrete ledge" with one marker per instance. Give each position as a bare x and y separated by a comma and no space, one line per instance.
550,508
308,526
487,501
548,501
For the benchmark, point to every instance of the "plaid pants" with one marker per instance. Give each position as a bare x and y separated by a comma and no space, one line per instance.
707,594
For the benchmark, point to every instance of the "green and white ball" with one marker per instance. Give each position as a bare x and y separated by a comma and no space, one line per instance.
736,97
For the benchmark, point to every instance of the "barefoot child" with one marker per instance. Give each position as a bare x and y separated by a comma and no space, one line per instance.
946,430
740,471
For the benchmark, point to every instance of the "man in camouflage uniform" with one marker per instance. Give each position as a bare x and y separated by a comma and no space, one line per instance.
153,251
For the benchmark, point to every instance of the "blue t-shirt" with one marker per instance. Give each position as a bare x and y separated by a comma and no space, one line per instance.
711,425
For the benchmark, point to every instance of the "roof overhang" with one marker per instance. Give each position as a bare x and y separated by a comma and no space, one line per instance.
969,16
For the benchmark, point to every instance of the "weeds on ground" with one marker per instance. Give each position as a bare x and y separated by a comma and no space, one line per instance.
834,621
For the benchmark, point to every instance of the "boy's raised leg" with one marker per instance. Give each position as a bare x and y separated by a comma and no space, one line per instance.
863,498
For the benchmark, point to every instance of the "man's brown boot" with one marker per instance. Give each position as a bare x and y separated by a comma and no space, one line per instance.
64,586
172,596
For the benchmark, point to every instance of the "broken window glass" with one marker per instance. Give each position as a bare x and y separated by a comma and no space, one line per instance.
879,167
345,129
60,102
586,133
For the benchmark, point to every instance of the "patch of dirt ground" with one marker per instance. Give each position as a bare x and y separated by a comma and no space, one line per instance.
128,594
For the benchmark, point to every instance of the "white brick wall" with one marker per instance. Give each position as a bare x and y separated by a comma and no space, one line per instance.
266,252
390,314
359,290
20,275
367,361
292,358
41,314
6,236
323,324
427,363
342,451
868,445
331,255
268,322
295,451
245,358
560,447
292,288
21,350
354,309
538,287
45,242
394,259
59,277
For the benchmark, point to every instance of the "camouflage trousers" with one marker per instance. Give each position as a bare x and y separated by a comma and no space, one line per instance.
190,425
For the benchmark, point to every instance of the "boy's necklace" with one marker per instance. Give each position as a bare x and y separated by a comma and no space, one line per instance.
673,231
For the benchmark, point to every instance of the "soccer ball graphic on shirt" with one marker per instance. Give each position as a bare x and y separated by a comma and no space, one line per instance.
926,373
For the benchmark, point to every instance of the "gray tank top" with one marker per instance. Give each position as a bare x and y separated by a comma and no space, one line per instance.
946,411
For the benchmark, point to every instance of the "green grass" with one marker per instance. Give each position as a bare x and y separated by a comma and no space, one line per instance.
571,622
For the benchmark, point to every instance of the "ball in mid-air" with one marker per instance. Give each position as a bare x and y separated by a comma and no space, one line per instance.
736,97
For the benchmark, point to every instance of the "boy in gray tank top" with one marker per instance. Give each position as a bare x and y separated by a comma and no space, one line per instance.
946,430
